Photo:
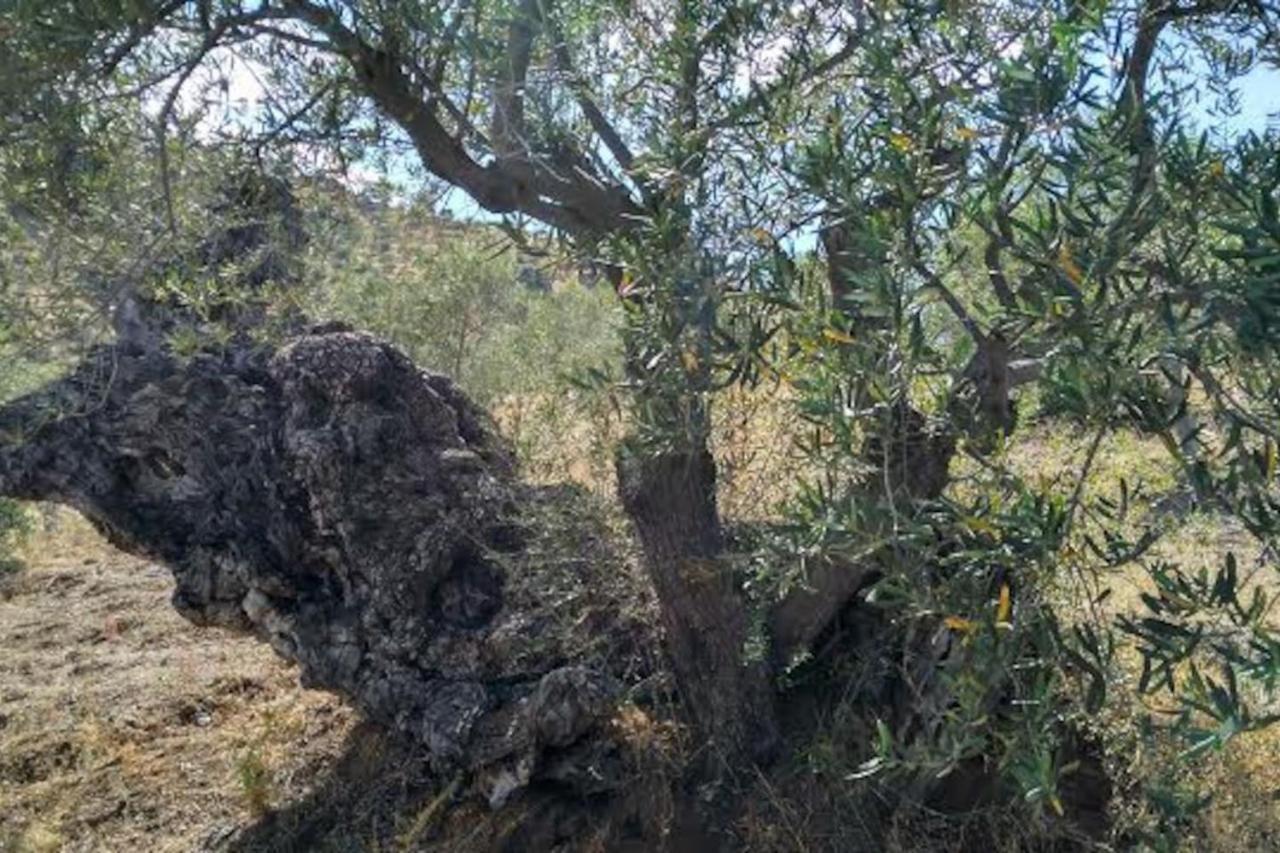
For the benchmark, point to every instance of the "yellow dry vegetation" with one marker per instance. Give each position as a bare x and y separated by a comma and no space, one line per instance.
121,725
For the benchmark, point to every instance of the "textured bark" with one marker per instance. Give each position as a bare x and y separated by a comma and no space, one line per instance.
671,499
359,516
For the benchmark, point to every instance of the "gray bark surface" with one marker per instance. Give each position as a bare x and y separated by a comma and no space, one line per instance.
360,516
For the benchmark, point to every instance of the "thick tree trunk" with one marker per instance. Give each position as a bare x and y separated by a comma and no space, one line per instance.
671,499
669,493
359,516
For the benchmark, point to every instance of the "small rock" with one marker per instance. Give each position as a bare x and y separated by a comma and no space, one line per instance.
458,459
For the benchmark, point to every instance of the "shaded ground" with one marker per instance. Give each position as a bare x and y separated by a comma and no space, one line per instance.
123,726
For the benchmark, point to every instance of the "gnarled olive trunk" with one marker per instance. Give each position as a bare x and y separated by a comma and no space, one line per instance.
359,515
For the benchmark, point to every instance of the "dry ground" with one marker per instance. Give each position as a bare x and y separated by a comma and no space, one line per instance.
122,726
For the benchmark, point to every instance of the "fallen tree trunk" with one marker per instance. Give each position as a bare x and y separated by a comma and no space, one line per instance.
360,516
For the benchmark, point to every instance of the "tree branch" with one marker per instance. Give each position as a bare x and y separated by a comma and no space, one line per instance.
292,118
507,128
561,199
934,282
599,123
207,44
760,97
1132,109
138,32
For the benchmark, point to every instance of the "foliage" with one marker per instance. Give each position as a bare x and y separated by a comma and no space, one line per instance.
1012,195
458,298
1124,284
521,334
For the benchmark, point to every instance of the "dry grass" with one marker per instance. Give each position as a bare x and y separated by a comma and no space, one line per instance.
123,726
1243,779
571,439
562,438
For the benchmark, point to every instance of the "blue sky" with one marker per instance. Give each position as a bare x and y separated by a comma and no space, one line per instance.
1259,99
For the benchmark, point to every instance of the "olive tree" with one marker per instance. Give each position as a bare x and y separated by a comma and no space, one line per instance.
905,211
